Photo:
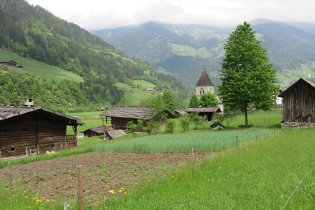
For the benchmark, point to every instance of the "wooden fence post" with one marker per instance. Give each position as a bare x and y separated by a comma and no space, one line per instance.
236,141
80,185
65,206
193,159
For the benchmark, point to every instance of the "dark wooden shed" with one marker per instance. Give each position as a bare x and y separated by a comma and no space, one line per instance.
205,112
26,130
9,63
119,116
299,103
96,131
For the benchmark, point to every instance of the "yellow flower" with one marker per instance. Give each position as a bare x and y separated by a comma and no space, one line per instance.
111,191
136,182
29,207
121,190
125,193
47,200
26,196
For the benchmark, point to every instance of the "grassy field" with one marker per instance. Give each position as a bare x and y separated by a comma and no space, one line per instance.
134,95
275,172
38,68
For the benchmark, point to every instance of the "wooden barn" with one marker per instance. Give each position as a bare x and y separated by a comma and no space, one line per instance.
205,112
27,130
8,63
299,104
96,131
119,116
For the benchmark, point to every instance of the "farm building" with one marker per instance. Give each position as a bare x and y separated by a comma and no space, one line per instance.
206,112
96,131
26,130
8,63
111,134
119,116
299,104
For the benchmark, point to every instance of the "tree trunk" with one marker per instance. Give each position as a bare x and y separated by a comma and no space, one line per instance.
246,117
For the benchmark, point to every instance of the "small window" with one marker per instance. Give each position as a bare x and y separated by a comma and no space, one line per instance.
12,149
52,146
24,129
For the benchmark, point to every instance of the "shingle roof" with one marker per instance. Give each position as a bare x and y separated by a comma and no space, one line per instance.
204,80
203,109
9,111
98,130
133,112
116,133
298,81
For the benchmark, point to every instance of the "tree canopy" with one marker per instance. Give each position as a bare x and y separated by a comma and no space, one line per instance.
247,76
208,99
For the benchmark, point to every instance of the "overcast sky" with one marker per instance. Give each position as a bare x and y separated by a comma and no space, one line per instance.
101,14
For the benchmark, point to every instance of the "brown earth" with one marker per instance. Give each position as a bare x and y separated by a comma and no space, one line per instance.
102,172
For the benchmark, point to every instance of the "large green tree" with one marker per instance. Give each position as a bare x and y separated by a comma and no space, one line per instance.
247,76
208,99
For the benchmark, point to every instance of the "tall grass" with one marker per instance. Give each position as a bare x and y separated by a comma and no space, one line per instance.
262,175
207,141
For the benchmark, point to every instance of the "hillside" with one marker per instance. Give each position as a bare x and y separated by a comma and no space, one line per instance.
34,33
187,49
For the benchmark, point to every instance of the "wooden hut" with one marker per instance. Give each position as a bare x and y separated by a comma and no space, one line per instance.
206,112
119,116
299,104
96,131
8,63
26,130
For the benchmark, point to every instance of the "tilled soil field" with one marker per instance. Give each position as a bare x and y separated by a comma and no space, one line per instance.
103,173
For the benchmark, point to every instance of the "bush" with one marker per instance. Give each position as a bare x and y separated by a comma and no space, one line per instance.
169,127
184,122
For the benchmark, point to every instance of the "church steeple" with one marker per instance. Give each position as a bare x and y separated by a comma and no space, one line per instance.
204,79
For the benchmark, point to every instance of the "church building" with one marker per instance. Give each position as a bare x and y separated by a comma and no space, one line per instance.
204,85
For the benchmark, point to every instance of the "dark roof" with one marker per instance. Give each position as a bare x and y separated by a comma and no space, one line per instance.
133,112
203,109
204,80
98,130
115,133
10,111
297,82
217,124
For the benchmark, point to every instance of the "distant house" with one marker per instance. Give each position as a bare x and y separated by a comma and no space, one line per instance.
96,131
205,112
119,116
27,129
150,89
8,63
299,103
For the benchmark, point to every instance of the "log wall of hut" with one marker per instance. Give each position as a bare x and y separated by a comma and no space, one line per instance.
121,123
299,104
26,133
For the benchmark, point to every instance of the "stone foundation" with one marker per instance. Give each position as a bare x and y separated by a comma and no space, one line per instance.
297,125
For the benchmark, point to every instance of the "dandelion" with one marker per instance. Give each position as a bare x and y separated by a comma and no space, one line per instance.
164,174
29,207
26,196
111,191
47,200
121,190
125,193
136,183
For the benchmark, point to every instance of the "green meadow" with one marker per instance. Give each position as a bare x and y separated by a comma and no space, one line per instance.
42,70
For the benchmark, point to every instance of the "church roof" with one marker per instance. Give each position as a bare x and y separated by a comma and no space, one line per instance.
204,80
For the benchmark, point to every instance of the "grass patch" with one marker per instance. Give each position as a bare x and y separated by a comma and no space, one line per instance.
38,68
261,175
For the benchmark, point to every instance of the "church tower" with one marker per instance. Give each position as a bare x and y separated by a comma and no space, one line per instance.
204,85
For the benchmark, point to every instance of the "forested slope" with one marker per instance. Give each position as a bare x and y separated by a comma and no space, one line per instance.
33,32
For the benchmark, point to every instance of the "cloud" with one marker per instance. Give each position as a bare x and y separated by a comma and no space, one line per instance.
161,11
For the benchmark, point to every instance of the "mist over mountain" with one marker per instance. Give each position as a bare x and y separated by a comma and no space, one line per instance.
185,50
